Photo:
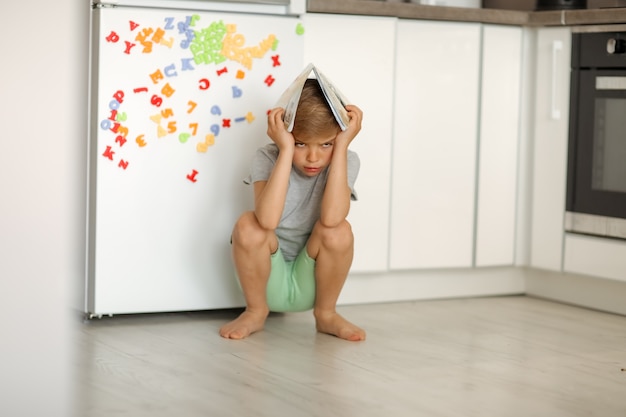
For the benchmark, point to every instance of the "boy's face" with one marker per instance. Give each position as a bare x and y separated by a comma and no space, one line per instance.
313,154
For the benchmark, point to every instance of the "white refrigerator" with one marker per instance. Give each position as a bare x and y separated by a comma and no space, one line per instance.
179,98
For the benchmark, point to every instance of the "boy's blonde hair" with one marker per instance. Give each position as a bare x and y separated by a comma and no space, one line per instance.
314,116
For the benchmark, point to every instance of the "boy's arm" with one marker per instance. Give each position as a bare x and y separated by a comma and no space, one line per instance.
269,196
336,200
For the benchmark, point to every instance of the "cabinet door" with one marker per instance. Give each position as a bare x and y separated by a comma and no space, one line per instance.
550,147
357,54
434,152
593,256
499,132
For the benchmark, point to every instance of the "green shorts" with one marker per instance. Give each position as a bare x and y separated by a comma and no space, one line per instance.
291,285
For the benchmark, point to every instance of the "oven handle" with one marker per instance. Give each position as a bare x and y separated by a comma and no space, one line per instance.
557,47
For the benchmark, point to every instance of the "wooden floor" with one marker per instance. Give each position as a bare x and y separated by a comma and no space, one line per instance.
504,357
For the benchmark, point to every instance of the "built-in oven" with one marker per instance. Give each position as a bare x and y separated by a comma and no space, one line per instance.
596,178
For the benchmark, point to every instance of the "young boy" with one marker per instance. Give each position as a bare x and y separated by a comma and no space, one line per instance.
294,251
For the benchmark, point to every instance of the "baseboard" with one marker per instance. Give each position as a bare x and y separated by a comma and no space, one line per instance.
585,291
432,284
591,292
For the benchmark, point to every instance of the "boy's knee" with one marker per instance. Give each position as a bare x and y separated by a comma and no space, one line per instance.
248,231
339,237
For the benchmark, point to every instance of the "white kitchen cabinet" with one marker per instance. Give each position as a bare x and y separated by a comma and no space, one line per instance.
498,144
550,147
435,140
357,54
595,256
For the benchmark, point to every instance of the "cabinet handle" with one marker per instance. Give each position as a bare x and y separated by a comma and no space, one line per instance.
557,47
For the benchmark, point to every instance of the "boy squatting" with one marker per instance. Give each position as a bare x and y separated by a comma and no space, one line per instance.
294,251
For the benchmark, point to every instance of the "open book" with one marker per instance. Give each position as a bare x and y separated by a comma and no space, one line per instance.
291,97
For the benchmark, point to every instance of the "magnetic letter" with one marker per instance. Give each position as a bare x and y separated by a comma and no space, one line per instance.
170,71
119,96
187,64
121,140
158,35
108,153
269,80
161,132
140,141
156,76
122,130
169,23
156,100
156,118
114,104
143,35
129,46
192,177
105,124
209,140
204,84
169,43
113,37
183,137
167,90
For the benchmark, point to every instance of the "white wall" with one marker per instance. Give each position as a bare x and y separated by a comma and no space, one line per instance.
42,179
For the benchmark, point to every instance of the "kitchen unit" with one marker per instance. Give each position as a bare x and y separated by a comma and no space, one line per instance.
540,245
460,183
435,137
550,147
384,241
595,242
500,136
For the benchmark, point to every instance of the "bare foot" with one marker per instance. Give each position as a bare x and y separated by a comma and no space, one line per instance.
335,325
243,326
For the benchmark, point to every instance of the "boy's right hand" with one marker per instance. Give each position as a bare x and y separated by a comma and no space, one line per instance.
277,132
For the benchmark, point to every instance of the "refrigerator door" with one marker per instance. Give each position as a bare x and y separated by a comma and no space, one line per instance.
179,102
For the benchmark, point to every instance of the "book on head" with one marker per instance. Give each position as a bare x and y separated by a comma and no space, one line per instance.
291,97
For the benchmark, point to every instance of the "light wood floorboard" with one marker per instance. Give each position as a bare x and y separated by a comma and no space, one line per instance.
502,356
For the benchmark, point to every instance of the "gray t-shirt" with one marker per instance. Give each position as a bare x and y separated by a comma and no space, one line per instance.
304,197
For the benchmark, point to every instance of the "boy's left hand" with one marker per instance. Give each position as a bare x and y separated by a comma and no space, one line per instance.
354,126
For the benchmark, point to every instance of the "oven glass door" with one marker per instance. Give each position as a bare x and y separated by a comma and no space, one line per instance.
600,167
